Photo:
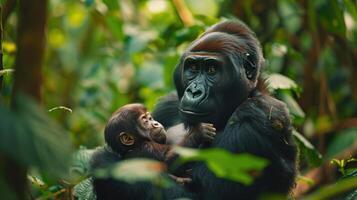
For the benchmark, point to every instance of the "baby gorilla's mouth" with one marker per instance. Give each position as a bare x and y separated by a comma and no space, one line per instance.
158,135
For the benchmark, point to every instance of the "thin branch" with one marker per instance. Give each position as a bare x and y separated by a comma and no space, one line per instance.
183,12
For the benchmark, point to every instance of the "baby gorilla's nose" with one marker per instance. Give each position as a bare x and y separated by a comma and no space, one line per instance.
156,124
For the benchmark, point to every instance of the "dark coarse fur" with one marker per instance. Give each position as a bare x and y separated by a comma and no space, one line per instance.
126,119
247,121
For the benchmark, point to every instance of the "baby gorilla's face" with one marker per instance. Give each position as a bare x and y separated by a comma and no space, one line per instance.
151,129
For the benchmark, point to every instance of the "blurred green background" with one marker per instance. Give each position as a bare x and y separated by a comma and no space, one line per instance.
102,54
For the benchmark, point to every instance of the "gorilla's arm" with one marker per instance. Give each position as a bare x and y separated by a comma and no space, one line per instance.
259,126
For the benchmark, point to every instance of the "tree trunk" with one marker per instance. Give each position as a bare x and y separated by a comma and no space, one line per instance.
32,17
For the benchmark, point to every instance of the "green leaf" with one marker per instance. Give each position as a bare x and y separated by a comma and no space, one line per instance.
329,191
5,71
81,161
278,81
342,141
112,4
235,167
208,8
136,170
60,108
30,137
84,190
330,16
115,26
307,150
292,105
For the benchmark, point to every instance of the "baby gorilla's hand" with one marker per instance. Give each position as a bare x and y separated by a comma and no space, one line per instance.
206,132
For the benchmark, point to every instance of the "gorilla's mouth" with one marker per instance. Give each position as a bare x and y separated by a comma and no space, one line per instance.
190,112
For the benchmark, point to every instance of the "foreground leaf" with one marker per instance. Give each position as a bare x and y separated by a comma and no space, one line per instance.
235,167
136,170
30,137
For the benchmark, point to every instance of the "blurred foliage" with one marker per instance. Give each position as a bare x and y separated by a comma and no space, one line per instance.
30,137
240,168
102,54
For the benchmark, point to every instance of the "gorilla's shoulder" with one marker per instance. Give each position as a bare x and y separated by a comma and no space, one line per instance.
264,111
102,158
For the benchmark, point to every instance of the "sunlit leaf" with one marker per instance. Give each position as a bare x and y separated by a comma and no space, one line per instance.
278,81
6,71
56,38
208,8
76,16
135,170
307,180
9,47
235,167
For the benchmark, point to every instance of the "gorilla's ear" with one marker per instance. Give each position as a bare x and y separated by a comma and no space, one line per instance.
250,66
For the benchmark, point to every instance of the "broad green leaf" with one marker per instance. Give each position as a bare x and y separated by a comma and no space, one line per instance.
342,141
235,167
278,81
30,137
208,8
136,170
81,161
115,26
307,150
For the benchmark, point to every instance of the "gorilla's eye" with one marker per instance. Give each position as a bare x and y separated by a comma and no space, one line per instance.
193,67
211,69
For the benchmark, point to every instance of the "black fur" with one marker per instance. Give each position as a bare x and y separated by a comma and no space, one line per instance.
246,120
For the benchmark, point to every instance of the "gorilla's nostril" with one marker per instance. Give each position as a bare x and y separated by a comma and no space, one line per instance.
196,94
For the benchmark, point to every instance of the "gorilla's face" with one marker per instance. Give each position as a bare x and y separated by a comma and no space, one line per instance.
212,79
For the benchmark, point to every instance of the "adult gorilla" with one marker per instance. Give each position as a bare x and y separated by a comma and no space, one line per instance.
216,82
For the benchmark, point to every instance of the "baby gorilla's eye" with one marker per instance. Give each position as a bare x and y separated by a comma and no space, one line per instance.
211,70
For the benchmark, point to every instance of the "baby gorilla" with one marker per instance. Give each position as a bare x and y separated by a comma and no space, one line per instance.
131,132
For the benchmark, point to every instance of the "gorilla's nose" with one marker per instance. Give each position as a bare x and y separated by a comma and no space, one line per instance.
194,92
156,124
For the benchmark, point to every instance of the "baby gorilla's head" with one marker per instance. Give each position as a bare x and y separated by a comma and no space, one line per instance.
130,126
